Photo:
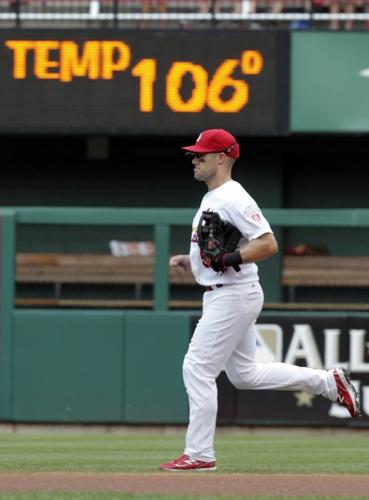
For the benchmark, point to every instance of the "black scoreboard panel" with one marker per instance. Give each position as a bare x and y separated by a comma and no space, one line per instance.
143,82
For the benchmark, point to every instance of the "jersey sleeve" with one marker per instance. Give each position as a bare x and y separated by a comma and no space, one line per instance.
249,219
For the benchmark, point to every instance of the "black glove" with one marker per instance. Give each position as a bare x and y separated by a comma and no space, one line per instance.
217,241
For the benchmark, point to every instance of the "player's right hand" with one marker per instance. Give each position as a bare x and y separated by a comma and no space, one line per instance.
180,263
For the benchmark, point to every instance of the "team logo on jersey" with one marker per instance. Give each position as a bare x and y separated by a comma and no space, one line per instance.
256,217
253,213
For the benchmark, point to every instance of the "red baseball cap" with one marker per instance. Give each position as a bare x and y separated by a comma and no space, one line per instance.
215,140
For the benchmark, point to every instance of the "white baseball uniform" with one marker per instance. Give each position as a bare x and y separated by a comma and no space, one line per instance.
225,336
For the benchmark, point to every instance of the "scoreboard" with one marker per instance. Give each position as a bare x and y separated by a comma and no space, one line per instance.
143,82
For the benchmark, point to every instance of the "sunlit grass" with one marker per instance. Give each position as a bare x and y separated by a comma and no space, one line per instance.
236,453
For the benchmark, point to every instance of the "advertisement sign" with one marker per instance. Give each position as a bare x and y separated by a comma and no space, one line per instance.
329,82
152,82
313,341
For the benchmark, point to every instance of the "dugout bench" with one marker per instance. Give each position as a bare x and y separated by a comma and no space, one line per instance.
89,270
95,269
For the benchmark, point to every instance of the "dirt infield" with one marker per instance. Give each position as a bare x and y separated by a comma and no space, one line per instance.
200,483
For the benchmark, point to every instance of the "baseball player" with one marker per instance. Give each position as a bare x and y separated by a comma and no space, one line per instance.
225,336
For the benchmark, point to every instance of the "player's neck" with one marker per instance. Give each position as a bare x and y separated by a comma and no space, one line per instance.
218,181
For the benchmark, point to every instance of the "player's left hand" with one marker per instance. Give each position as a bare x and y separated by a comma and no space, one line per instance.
216,262
219,261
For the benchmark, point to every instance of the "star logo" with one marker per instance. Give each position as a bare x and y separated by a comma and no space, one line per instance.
303,398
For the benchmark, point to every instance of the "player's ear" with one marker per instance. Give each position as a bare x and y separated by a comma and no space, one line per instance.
222,157
225,160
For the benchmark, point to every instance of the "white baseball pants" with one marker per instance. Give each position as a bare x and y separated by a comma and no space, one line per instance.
225,339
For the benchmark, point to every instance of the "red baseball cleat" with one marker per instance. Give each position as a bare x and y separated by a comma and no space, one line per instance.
185,463
347,395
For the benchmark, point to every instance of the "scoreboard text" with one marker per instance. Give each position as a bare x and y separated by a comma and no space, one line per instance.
130,82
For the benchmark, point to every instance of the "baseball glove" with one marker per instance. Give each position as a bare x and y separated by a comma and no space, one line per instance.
216,239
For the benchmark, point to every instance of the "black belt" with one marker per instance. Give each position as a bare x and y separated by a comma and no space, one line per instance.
213,287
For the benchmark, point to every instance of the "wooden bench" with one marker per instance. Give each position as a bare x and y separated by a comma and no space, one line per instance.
59,269
324,271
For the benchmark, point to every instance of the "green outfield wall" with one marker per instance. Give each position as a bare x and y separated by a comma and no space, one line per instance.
93,366
126,367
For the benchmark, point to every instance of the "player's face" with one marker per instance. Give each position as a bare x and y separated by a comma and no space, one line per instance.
205,166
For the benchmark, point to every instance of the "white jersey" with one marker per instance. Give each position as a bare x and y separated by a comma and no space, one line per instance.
234,205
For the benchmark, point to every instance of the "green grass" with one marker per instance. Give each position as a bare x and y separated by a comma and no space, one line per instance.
237,453
282,452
